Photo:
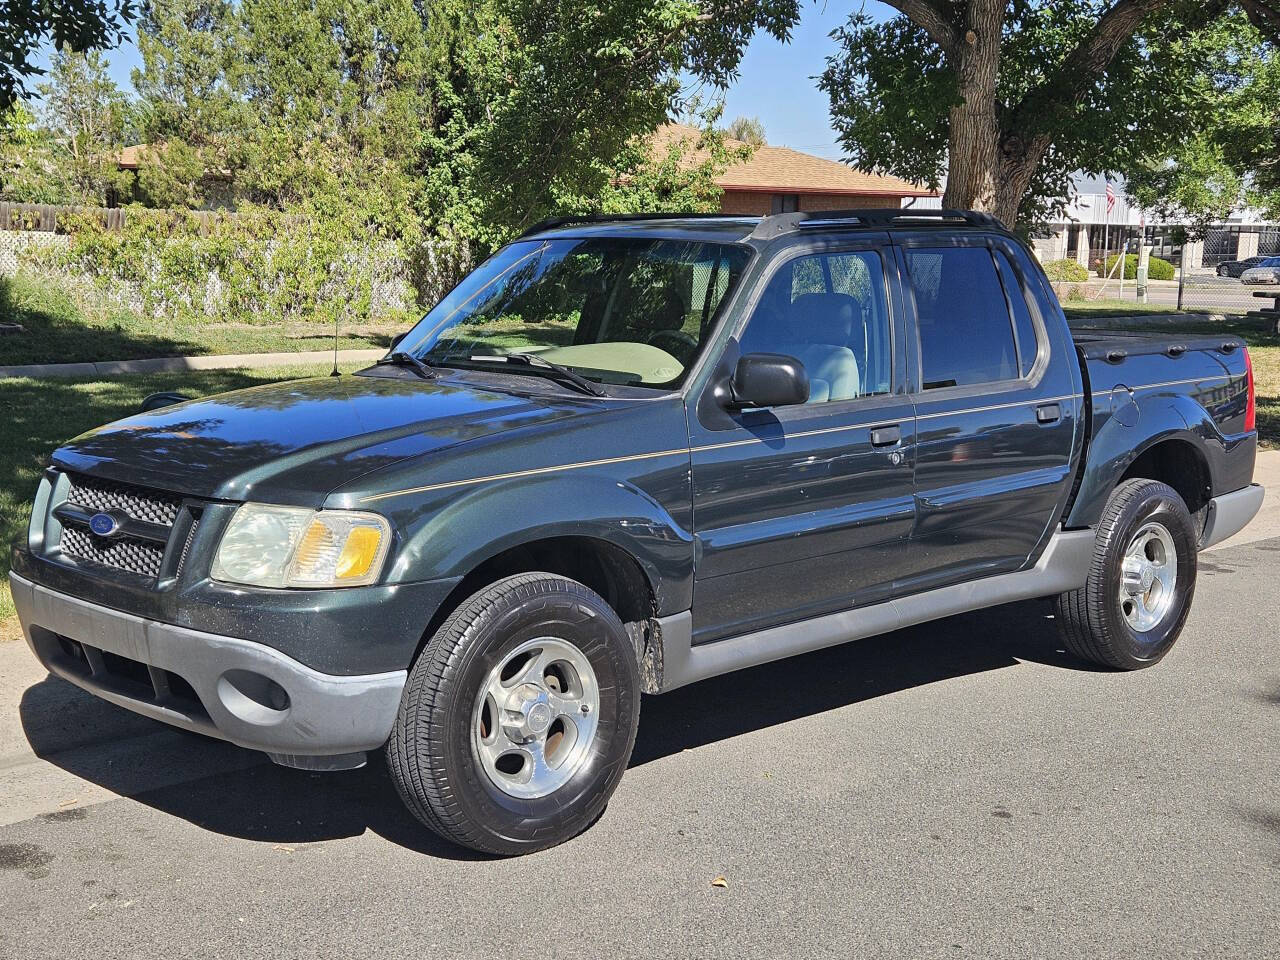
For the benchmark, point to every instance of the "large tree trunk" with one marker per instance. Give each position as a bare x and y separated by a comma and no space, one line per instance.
973,175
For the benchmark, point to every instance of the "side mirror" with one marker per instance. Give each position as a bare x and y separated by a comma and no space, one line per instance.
769,380
155,401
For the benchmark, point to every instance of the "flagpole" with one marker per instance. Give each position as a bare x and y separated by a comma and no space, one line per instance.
1106,242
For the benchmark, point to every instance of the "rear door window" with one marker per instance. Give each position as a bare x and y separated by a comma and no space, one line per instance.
1023,327
966,333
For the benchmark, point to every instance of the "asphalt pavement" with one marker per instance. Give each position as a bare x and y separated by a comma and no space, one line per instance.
959,789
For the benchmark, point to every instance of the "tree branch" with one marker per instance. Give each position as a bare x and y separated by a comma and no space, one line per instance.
1265,15
1079,71
932,17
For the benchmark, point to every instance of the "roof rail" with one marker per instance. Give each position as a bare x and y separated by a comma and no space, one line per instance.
780,223
552,222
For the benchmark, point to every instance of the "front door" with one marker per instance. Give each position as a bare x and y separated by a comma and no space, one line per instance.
805,509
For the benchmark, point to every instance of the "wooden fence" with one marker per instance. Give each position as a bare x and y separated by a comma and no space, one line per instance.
49,218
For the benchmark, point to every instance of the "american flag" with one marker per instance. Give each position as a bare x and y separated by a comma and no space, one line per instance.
1111,198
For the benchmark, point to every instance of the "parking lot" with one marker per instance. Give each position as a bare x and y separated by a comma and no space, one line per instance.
960,789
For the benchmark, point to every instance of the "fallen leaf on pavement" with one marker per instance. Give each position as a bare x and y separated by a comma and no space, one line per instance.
720,881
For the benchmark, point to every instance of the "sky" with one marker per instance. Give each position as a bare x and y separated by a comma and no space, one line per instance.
775,80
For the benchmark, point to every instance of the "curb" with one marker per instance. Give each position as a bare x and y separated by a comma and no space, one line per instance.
116,368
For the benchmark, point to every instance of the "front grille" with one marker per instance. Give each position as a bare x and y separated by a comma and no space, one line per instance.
142,557
138,548
152,506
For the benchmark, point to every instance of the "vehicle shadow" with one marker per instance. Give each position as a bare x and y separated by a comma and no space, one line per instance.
790,689
269,803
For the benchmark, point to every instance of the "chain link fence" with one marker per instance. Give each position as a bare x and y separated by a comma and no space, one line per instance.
1205,275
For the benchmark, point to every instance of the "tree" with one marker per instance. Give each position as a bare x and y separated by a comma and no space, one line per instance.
85,115
193,115
747,129
26,159
70,25
1235,159
1008,99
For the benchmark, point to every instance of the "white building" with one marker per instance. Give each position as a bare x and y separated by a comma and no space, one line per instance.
1085,229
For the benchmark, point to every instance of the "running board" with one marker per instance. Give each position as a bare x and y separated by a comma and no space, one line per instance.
1064,565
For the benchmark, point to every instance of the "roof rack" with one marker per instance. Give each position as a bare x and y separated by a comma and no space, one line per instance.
780,223
552,222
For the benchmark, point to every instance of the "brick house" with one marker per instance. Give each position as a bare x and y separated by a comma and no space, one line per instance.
779,180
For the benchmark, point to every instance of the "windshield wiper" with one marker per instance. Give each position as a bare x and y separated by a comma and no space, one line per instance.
402,359
541,364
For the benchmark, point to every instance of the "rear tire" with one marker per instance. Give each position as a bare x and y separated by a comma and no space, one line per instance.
1141,582
518,717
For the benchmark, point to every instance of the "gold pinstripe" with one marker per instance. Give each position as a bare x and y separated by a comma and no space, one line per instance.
728,444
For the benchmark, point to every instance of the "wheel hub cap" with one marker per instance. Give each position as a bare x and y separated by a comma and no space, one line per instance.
1148,576
535,717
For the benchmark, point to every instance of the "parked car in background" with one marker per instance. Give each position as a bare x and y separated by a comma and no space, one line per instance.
620,457
1233,268
1268,271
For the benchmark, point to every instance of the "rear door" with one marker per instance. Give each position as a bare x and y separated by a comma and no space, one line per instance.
996,393
805,509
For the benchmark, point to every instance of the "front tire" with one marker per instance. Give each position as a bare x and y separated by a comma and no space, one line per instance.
1136,600
518,717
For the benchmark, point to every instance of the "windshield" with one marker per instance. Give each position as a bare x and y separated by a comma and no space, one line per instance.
625,310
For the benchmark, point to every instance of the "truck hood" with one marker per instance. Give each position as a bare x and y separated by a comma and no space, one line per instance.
293,442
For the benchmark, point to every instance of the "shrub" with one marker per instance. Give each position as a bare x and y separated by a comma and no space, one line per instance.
1157,269
1066,271
253,266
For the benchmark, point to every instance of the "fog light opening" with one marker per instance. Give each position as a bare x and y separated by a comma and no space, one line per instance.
253,697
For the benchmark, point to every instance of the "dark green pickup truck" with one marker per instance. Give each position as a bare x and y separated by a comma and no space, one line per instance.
622,456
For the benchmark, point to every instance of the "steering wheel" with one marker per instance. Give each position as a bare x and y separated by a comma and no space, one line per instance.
676,342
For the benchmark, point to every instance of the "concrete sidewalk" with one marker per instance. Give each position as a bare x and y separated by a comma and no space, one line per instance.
1267,523
115,368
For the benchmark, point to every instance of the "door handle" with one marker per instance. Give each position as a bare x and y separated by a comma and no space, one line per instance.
1048,413
885,436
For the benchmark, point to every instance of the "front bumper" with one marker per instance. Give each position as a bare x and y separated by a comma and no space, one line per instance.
236,690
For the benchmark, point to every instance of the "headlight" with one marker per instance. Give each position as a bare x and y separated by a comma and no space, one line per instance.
269,546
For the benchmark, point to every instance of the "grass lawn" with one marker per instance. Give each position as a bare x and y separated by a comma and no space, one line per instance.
57,331
1113,307
38,415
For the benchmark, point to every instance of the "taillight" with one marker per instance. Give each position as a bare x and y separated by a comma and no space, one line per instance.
1251,408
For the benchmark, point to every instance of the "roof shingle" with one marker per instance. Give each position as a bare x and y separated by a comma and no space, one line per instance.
783,170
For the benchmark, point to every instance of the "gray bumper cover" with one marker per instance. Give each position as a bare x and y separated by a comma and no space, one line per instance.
320,721
1230,513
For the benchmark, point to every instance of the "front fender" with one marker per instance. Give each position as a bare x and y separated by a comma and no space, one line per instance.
1128,432
489,519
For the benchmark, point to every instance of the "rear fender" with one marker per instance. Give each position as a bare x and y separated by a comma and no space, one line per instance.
1130,430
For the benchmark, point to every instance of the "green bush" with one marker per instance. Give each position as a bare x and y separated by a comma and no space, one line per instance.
1157,269
1066,271
254,266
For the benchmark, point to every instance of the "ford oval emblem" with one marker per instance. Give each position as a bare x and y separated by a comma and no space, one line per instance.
103,524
